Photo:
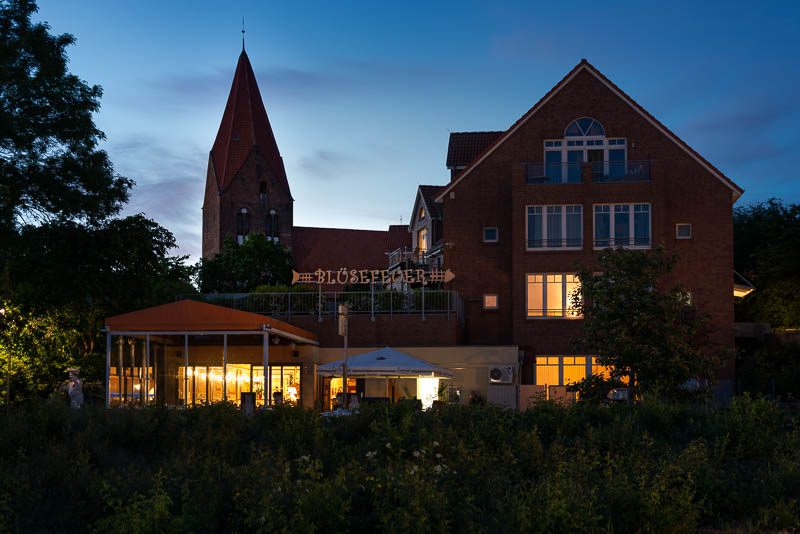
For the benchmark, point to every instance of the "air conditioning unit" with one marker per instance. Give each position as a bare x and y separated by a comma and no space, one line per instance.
501,374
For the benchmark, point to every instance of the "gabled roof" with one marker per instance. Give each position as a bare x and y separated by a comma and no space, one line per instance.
244,126
193,316
585,65
464,147
334,248
429,193
399,237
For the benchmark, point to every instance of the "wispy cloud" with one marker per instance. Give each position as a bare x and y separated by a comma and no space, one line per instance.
327,164
169,186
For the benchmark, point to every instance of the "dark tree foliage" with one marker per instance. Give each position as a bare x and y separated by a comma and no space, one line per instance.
242,268
50,164
65,263
646,331
767,252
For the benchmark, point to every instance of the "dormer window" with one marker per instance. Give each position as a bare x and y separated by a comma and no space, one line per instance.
584,141
242,225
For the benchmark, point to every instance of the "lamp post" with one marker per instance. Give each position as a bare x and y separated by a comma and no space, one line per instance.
343,328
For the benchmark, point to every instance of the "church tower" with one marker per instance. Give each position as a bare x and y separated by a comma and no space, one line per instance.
246,186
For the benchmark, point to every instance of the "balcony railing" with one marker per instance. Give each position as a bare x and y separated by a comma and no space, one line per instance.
413,257
556,243
596,171
622,242
326,303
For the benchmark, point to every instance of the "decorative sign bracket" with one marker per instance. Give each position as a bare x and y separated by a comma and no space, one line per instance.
366,276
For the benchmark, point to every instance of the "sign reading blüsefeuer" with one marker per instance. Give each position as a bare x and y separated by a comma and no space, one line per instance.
372,276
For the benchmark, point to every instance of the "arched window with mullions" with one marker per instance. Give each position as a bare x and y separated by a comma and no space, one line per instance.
242,225
584,141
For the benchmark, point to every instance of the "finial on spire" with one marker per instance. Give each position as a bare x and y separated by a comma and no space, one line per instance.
242,34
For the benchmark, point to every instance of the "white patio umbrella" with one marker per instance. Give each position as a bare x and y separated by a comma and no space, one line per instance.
384,362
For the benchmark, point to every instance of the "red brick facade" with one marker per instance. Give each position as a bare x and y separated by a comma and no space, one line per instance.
494,193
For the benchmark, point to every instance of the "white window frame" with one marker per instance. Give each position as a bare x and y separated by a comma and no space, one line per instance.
496,234
677,232
496,301
599,142
631,225
544,227
565,297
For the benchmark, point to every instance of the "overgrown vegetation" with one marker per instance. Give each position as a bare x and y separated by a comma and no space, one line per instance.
652,468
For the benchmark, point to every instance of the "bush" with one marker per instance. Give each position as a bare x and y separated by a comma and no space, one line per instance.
651,468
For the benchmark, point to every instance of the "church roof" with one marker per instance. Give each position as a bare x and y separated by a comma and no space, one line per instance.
244,126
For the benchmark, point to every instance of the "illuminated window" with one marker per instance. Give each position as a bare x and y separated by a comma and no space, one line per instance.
550,295
622,225
422,240
205,384
574,368
554,227
490,235
490,302
422,212
560,370
683,231
547,373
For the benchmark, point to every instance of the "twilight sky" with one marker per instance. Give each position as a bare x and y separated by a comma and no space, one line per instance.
362,96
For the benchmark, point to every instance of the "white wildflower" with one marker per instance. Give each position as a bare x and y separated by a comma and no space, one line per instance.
438,455
388,445
435,443
438,468
416,454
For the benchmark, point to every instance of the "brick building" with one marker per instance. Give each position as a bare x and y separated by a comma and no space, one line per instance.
586,168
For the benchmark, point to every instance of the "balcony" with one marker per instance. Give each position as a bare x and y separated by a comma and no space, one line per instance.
326,303
595,171
627,242
556,244
409,258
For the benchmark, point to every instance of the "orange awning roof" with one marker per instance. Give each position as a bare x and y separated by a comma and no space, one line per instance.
193,316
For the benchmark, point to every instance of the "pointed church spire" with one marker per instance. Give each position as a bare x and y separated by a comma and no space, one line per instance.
244,128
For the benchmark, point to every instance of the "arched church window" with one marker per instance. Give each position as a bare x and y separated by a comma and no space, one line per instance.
262,193
584,141
242,225
272,226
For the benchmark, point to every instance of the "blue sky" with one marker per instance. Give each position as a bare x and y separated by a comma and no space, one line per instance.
362,96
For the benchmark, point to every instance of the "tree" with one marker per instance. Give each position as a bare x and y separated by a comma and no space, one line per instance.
242,268
50,165
65,262
649,335
767,252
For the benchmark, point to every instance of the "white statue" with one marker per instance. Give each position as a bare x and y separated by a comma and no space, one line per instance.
74,388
